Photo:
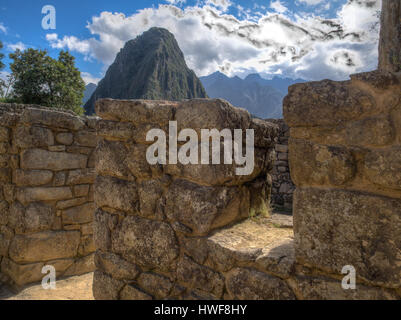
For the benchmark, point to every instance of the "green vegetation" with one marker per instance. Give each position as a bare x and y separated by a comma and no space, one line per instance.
39,79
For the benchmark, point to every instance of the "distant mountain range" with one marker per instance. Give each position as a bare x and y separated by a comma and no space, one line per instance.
153,67
261,97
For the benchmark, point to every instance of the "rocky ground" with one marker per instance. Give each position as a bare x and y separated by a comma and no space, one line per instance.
74,288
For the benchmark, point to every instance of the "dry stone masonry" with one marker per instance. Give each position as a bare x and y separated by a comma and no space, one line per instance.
283,187
46,194
153,222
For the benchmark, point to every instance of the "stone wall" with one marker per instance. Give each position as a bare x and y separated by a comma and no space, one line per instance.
345,158
46,194
283,188
153,222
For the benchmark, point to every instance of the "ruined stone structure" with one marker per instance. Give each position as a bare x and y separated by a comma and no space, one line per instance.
153,222
282,188
46,195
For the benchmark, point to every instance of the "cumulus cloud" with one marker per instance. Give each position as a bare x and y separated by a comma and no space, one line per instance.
311,2
3,28
88,78
278,6
269,42
14,46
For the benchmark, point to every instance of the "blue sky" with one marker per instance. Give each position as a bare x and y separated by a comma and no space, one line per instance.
312,39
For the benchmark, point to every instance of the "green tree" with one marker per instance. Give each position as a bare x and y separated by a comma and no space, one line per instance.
40,79
2,83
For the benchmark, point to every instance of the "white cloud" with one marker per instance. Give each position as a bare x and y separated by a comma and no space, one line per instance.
14,46
88,78
306,46
3,28
278,6
311,2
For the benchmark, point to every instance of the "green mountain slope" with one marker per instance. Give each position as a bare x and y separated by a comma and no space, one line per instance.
153,67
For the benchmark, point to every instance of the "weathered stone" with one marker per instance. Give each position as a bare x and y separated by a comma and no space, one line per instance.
81,176
59,179
383,167
205,208
3,212
32,177
390,33
321,288
64,204
103,223
44,246
5,175
42,159
150,193
217,114
326,103
136,111
28,137
65,138
81,266
56,148
110,156
114,130
114,265
52,118
79,150
34,218
155,284
26,195
86,246
80,214
145,242
130,292
314,164
199,277
138,164
114,193
22,274
86,138
266,133
248,284
281,148
81,190
87,229
4,134
335,228
105,287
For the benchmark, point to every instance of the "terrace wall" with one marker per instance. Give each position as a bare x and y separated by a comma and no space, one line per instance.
46,194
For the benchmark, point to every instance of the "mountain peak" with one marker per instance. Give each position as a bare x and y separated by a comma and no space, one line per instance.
152,67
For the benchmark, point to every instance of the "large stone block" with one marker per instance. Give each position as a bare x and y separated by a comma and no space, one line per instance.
32,177
110,159
383,167
199,277
116,266
336,228
105,287
86,138
322,288
314,164
26,195
44,246
147,243
249,284
326,103
42,159
114,130
205,208
136,111
35,217
52,118
118,194
217,114
81,176
78,215
28,137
